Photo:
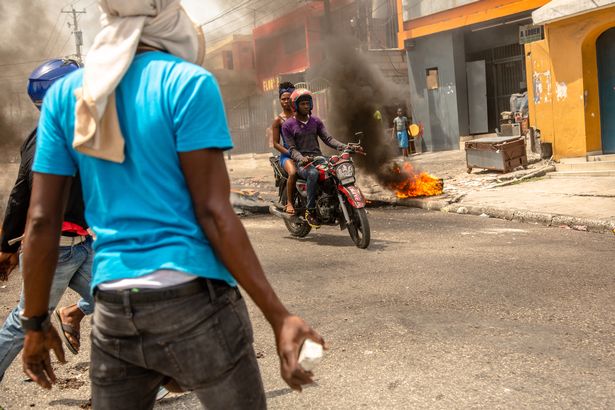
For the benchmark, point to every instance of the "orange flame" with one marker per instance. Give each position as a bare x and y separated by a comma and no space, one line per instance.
421,184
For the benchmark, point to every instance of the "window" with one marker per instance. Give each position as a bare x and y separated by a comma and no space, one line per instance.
294,41
432,79
227,59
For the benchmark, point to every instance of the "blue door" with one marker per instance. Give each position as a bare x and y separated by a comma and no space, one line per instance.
605,48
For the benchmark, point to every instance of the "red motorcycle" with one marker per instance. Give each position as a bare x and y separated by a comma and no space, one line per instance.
338,202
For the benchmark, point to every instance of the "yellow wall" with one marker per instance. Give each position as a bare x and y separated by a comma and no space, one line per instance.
563,69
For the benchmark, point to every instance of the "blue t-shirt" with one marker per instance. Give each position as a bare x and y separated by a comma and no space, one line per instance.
141,210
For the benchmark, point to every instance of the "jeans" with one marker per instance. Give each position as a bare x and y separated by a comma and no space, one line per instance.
74,270
310,174
202,340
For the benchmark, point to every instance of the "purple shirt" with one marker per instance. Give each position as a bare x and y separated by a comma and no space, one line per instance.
302,139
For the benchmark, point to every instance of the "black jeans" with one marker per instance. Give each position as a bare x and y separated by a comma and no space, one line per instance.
202,340
310,174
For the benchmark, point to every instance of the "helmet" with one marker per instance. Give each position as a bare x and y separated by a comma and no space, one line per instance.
46,74
300,94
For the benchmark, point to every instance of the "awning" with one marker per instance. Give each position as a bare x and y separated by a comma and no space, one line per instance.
561,9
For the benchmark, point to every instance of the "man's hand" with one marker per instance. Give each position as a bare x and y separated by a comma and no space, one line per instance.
306,160
8,262
36,359
290,336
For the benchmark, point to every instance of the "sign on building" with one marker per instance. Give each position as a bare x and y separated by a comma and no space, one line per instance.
271,84
530,33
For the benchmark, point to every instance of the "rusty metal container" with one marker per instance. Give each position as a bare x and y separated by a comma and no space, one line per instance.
496,153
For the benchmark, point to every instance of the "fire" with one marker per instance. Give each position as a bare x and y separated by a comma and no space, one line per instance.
421,184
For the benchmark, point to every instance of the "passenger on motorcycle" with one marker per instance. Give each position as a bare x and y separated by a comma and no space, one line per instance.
301,133
279,143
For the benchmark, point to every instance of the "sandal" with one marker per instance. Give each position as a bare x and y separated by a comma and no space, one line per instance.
288,211
68,330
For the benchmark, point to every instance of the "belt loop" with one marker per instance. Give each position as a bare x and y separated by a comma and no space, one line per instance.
126,302
210,290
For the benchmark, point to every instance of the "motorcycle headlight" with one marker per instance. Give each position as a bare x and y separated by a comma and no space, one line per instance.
345,170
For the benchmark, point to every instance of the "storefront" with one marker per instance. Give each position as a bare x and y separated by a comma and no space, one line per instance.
465,62
572,77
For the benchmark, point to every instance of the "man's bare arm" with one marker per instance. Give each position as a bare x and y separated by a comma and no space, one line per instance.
40,256
209,185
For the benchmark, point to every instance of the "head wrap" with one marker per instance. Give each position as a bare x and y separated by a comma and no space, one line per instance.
160,24
286,90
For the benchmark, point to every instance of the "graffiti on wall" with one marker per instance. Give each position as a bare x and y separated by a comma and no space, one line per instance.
542,87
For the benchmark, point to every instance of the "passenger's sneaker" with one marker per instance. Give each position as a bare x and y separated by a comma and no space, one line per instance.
312,220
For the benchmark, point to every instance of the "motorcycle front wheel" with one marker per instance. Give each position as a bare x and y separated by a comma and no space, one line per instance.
298,227
359,229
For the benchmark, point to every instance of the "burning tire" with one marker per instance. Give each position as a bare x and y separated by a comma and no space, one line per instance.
359,230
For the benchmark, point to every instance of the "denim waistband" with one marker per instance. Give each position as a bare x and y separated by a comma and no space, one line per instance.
211,287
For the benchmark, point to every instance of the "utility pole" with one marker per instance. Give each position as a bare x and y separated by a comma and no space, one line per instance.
76,32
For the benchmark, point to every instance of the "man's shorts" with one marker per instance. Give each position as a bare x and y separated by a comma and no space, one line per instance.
402,139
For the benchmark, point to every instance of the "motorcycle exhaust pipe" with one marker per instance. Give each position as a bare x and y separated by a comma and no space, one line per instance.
275,211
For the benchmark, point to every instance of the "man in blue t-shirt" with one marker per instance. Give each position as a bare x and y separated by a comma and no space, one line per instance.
169,248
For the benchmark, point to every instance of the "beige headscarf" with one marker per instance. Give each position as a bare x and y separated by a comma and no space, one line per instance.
162,24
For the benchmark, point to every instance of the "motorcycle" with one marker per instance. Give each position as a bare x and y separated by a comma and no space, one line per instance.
338,202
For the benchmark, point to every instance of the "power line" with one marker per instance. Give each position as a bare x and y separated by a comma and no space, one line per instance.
237,28
52,31
222,23
226,12
56,34
60,51
225,25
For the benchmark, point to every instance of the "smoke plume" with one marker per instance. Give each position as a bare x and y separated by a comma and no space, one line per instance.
31,32
21,44
359,89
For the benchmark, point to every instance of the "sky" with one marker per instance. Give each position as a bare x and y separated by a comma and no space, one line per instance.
34,30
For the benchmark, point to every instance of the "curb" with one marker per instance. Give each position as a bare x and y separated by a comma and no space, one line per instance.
246,205
519,215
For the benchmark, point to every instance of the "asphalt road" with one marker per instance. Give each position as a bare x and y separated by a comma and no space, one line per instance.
442,311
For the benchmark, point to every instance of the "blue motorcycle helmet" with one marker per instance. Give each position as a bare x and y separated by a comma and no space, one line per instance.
45,75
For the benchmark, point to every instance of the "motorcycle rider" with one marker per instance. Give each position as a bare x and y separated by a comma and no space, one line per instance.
279,143
301,134
75,249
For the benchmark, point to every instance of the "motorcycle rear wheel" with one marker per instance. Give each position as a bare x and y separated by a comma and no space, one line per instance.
359,229
297,227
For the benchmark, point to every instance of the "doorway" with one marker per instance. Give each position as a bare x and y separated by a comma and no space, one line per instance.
605,50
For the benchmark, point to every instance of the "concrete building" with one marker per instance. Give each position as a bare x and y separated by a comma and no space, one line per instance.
572,77
232,62
464,62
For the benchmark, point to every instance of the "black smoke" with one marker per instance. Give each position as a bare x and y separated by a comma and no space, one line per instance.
358,89
24,29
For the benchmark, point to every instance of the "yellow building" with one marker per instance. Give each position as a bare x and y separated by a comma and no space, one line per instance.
571,74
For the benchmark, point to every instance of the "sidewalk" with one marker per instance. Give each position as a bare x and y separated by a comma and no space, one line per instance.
582,203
